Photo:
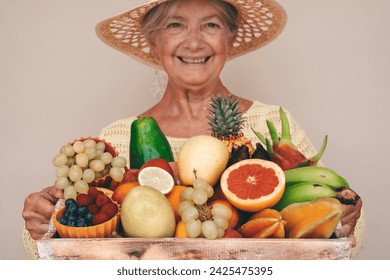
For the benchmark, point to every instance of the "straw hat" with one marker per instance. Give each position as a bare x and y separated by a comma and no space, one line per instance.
259,22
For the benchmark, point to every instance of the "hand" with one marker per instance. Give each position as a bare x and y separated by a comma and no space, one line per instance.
349,220
38,208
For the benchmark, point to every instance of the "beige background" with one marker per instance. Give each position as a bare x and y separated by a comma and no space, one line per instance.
58,82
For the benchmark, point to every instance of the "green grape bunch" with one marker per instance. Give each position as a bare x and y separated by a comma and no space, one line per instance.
84,161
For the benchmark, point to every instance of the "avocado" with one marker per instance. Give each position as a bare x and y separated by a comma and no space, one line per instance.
147,141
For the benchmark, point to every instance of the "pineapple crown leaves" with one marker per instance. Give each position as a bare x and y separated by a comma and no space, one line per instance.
225,117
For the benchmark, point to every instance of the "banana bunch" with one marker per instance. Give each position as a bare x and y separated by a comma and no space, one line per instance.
312,182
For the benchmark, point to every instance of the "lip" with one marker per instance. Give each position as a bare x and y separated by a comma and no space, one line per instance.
194,60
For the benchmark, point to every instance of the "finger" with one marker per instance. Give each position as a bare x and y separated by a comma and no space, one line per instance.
37,229
347,229
56,193
41,216
352,240
37,208
52,194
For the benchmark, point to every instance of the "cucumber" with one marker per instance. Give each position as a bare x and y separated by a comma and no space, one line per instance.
147,141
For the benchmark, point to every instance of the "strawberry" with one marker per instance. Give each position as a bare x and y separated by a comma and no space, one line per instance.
93,209
111,209
94,192
102,200
99,218
83,199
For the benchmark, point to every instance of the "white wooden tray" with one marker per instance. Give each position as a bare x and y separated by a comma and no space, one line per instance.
187,248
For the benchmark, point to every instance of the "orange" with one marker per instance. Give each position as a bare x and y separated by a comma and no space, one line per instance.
174,199
181,230
234,219
231,233
253,184
158,162
121,191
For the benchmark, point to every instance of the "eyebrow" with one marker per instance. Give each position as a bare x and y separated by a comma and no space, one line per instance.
203,19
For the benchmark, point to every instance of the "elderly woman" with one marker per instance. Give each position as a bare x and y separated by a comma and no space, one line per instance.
191,40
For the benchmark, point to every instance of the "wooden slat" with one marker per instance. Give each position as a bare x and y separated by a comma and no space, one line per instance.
185,248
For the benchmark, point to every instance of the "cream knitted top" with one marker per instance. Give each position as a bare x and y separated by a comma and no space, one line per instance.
118,134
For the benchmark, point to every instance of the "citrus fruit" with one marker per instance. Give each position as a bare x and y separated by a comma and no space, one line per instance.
253,184
121,191
174,199
156,178
159,162
232,233
233,221
180,231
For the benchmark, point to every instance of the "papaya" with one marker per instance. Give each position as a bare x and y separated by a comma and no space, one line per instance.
147,141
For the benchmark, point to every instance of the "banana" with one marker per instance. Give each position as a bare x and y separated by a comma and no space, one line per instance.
309,191
318,174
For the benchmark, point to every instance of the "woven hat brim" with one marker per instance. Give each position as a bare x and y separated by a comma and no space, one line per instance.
259,23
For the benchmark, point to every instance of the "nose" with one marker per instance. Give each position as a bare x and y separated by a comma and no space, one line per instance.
194,39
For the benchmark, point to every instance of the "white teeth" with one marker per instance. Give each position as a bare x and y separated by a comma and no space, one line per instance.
193,60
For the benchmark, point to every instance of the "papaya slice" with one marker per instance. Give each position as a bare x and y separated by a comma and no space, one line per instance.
313,219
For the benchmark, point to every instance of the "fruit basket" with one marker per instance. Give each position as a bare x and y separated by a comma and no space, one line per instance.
188,249
214,185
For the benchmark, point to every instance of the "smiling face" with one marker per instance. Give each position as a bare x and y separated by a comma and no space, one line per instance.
193,44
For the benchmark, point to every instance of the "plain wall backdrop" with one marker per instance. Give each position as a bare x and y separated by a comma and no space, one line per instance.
58,82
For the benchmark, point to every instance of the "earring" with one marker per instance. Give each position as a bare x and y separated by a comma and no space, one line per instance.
159,84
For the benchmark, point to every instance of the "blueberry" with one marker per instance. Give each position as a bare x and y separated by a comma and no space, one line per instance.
63,220
66,214
71,218
70,201
72,223
81,222
82,211
72,208
89,216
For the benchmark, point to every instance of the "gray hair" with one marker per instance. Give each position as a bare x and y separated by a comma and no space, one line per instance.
158,15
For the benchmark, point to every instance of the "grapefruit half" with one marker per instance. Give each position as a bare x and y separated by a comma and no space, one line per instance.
253,184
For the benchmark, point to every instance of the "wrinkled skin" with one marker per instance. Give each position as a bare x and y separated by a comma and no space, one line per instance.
351,215
38,208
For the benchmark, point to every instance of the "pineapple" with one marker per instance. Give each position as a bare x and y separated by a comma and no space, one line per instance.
226,122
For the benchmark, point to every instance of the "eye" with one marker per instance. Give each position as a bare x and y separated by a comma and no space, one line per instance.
213,25
174,25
